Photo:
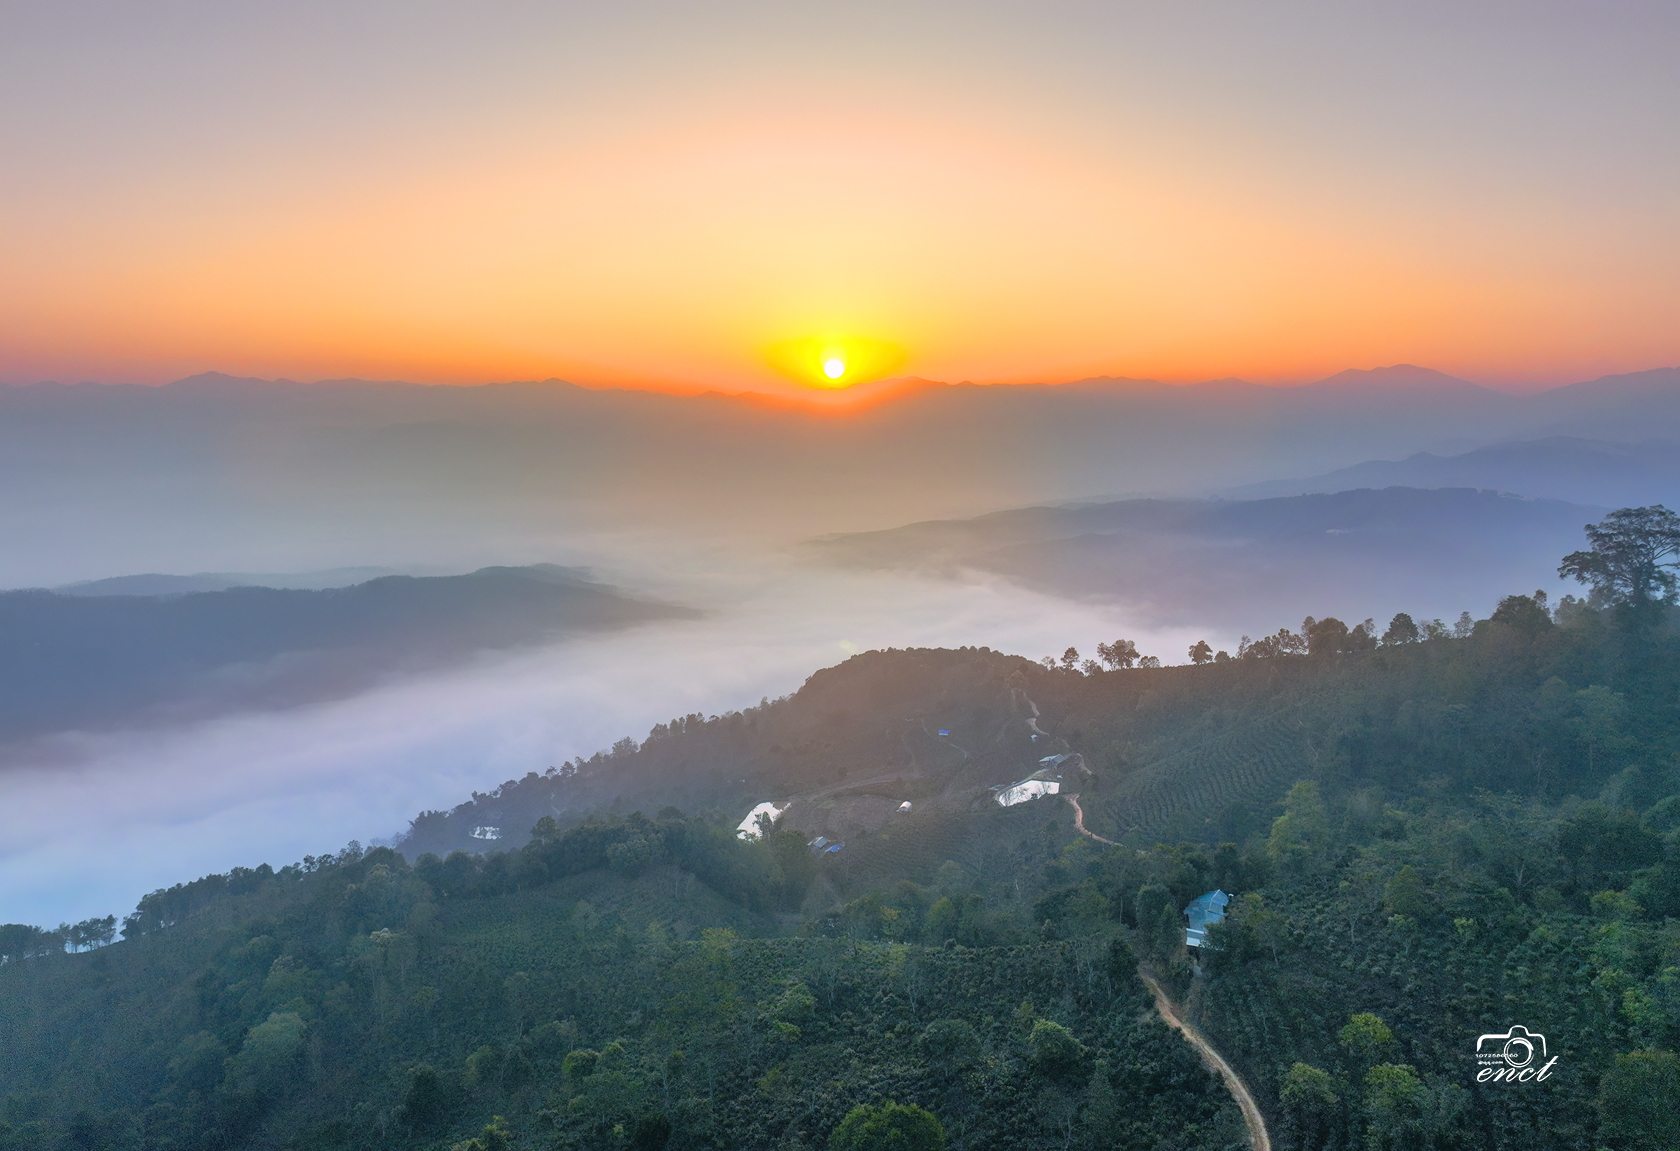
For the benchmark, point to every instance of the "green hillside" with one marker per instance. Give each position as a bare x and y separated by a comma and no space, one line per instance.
1430,839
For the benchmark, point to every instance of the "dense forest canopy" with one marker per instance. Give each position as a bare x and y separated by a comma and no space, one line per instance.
1433,834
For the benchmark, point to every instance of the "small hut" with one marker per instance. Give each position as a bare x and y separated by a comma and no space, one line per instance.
1202,913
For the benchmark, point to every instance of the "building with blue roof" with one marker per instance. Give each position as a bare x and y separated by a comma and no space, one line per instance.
1202,913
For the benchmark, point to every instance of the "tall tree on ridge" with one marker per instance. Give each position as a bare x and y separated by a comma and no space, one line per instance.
1631,561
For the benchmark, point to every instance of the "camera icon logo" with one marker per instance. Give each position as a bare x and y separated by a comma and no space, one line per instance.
1512,1056
1517,1047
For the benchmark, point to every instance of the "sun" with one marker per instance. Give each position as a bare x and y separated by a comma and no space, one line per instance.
834,361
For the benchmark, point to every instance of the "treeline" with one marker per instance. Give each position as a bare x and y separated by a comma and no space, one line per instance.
22,940
364,1001
1440,836
1353,987
764,875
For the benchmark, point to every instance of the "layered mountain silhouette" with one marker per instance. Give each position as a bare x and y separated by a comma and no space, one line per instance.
1237,564
218,473
1558,467
76,661
154,583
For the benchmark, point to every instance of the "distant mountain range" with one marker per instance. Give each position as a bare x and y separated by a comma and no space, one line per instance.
1559,467
75,661
1255,565
219,474
153,583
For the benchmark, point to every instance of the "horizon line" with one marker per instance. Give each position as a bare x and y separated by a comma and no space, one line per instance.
872,390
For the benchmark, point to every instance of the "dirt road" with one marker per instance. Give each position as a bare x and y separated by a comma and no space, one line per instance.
1215,1062
1032,720
1079,820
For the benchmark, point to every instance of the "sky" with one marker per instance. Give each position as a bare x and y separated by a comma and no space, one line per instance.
726,196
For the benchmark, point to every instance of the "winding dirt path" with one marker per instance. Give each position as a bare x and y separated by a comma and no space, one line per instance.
1032,720
1215,1062
1079,820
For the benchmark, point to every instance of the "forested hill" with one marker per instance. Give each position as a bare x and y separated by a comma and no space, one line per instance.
1431,837
74,660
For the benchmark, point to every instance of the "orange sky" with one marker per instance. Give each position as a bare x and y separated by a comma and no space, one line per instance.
674,207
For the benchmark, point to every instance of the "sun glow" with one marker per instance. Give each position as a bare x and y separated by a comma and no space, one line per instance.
835,361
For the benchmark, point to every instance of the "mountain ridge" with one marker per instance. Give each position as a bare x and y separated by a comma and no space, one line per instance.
246,473
1555,467
83,662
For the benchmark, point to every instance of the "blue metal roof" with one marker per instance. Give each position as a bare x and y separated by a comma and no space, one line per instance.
1203,912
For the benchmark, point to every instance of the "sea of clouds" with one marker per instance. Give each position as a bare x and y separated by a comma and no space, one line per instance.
90,822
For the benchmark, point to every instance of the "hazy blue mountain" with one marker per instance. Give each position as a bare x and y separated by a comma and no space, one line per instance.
1559,467
154,583
1236,563
1634,406
74,661
219,474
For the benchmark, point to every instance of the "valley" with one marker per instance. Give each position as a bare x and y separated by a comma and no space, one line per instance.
1427,841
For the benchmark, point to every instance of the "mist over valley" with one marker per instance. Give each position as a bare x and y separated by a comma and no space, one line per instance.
219,474
872,577
186,686
1231,565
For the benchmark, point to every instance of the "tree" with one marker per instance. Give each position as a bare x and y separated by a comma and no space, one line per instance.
1310,1104
1102,1110
1330,636
1405,894
1518,841
1366,1038
1120,653
1285,642
1396,1103
1200,652
1326,636
1600,722
888,1127
494,1137
1401,629
1523,613
1057,1111
1631,561
1070,659
1303,829
1051,1048
1270,930
1160,923
1360,893
1639,1100
18,940
90,932
426,1102
271,1051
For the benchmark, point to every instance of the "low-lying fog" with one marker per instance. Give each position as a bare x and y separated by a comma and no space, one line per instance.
215,475
92,822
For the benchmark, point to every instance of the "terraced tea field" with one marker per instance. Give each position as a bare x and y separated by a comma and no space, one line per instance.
1252,766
